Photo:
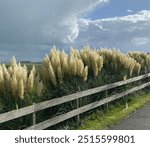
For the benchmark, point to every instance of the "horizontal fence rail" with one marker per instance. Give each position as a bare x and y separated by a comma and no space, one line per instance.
50,103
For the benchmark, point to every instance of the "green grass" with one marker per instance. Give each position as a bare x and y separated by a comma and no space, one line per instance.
102,120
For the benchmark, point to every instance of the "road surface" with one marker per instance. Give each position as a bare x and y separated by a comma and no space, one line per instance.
140,120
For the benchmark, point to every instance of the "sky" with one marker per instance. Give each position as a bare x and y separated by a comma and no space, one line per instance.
30,28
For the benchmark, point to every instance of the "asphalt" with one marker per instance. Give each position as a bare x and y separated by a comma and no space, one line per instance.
140,120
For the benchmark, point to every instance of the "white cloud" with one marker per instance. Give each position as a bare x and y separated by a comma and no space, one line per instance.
127,32
143,15
130,11
139,41
28,23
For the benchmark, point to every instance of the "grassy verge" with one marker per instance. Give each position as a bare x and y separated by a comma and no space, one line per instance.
102,120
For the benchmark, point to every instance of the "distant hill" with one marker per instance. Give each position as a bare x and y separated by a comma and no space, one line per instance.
30,62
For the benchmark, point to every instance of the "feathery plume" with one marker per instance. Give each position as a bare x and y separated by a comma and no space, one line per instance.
21,89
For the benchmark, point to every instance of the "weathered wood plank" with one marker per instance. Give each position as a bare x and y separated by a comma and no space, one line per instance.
16,113
34,116
64,99
60,118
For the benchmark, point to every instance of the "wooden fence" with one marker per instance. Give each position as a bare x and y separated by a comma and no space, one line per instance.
33,109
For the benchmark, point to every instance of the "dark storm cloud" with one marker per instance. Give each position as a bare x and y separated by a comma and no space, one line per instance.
40,21
29,24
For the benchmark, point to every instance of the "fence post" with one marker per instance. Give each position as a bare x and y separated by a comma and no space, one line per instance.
124,89
126,104
78,105
34,116
78,116
106,97
126,98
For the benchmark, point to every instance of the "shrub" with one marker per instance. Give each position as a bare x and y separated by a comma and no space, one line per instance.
18,86
142,58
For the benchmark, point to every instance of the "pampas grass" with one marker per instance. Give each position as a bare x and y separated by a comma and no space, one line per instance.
142,58
119,61
18,83
80,67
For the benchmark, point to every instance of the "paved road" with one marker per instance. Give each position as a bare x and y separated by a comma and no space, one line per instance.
140,120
